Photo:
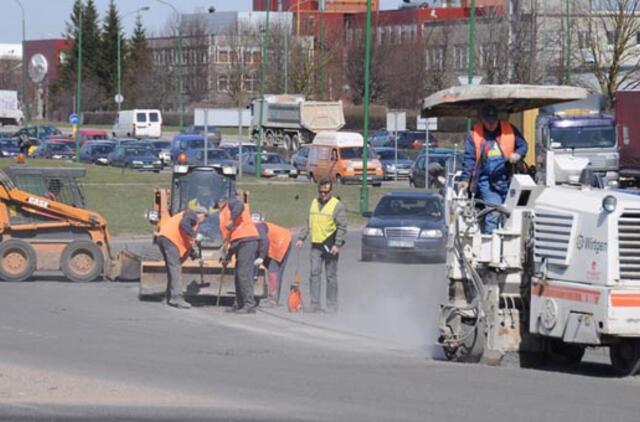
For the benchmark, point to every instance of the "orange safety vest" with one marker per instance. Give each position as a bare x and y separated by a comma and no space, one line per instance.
506,140
279,241
242,227
170,229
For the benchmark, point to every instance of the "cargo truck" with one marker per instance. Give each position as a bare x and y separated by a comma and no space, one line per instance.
628,127
289,121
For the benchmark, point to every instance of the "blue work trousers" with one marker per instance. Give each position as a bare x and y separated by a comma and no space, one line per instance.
492,219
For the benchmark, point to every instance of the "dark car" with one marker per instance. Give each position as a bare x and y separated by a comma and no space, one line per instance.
38,132
440,163
8,147
234,149
390,166
138,156
56,150
162,148
187,144
300,158
215,156
213,133
407,139
406,224
96,152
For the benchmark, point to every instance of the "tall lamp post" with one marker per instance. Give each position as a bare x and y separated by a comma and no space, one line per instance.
178,61
119,97
263,71
25,99
364,189
471,56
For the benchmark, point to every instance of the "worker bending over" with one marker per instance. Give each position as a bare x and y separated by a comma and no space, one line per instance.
327,227
490,147
274,248
238,230
176,239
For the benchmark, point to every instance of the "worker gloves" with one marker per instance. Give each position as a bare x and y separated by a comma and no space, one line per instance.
199,238
514,158
463,185
258,262
194,254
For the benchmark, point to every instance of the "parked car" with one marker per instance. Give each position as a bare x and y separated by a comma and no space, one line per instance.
162,148
214,156
272,164
299,159
233,149
406,224
187,144
8,147
38,132
71,143
96,152
56,150
138,123
213,133
138,156
439,164
92,135
407,139
390,167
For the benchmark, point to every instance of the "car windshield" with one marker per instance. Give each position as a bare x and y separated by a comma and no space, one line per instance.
354,153
583,137
391,155
272,159
103,149
137,150
217,154
409,207
160,145
194,144
59,147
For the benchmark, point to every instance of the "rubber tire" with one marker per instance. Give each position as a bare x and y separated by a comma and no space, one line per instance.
88,247
340,180
625,365
295,143
29,254
376,185
286,143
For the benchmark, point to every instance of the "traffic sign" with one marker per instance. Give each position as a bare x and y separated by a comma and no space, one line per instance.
118,98
73,119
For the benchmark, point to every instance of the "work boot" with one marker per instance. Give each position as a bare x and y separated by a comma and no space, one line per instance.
179,303
233,309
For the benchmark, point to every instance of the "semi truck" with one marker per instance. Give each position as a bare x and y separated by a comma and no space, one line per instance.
10,113
628,128
580,129
289,121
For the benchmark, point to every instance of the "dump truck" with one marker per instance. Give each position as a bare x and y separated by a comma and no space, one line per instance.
44,226
628,129
205,276
561,272
289,121
10,113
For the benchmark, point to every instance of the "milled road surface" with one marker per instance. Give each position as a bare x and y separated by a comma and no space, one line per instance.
94,352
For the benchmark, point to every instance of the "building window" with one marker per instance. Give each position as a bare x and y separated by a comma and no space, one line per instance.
223,83
461,57
611,37
223,56
583,39
436,58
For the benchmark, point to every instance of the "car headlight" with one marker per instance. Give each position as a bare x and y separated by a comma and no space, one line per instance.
5,154
390,167
157,162
372,231
293,171
609,203
430,233
229,170
136,163
102,160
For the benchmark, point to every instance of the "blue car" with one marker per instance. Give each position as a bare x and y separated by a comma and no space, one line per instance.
96,152
189,144
406,225
390,167
8,147
136,156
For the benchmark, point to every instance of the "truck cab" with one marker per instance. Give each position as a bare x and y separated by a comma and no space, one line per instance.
580,131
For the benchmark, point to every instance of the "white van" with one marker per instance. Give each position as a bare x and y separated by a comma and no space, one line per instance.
138,123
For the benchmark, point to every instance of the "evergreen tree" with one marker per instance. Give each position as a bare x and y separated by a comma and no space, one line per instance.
107,58
139,70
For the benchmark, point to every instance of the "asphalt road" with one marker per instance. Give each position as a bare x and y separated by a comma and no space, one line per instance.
94,352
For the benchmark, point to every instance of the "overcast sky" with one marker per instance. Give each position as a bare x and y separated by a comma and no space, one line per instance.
47,18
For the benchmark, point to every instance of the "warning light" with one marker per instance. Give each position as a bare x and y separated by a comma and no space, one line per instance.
182,158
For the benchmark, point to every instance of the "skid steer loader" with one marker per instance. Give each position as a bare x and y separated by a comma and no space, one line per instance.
205,276
44,226
561,273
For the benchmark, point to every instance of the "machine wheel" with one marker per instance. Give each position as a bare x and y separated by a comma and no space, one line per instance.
311,177
566,353
339,180
82,261
17,260
625,356
295,143
270,138
286,142
472,347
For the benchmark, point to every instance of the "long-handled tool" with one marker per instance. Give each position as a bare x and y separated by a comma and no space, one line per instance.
294,302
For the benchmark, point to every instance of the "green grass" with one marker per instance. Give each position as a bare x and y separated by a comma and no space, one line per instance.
122,197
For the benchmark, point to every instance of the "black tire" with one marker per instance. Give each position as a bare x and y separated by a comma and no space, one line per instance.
17,260
82,261
566,353
377,185
286,142
340,180
625,356
295,143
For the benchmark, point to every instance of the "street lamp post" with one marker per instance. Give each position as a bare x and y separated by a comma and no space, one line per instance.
25,99
471,56
263,70
178,61
364,189
79,83
119,96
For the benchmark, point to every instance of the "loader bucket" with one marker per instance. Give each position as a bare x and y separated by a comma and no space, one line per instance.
197,280
125,266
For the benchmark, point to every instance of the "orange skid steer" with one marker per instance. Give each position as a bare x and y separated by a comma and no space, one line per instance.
196,186
44,227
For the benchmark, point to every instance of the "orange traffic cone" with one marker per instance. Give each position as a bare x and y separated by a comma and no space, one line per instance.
294,303
21,158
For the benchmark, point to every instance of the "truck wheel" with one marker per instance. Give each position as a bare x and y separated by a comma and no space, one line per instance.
17,260
625,356
339,180
269,138
566,353
295,143
286,143
82,261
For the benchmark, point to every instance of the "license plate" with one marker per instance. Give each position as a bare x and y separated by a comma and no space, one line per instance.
148,166
401,243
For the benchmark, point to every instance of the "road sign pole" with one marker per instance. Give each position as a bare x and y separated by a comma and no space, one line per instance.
79,82
364,189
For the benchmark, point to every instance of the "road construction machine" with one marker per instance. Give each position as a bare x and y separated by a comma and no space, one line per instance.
562,271
44,226
205,276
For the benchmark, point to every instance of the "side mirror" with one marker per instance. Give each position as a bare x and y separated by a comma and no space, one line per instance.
367,214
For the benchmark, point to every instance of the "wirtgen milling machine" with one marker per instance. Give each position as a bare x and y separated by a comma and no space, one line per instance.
560,274
205,276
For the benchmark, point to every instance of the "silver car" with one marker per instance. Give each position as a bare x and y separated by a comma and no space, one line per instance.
272,165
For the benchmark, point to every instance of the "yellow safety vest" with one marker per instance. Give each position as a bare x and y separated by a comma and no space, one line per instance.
321,222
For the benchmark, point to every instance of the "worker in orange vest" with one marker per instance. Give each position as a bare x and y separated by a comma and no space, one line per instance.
273,251
491,145
176,238
240,232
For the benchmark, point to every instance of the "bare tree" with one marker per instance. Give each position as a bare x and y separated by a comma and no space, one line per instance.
10,71
195,52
